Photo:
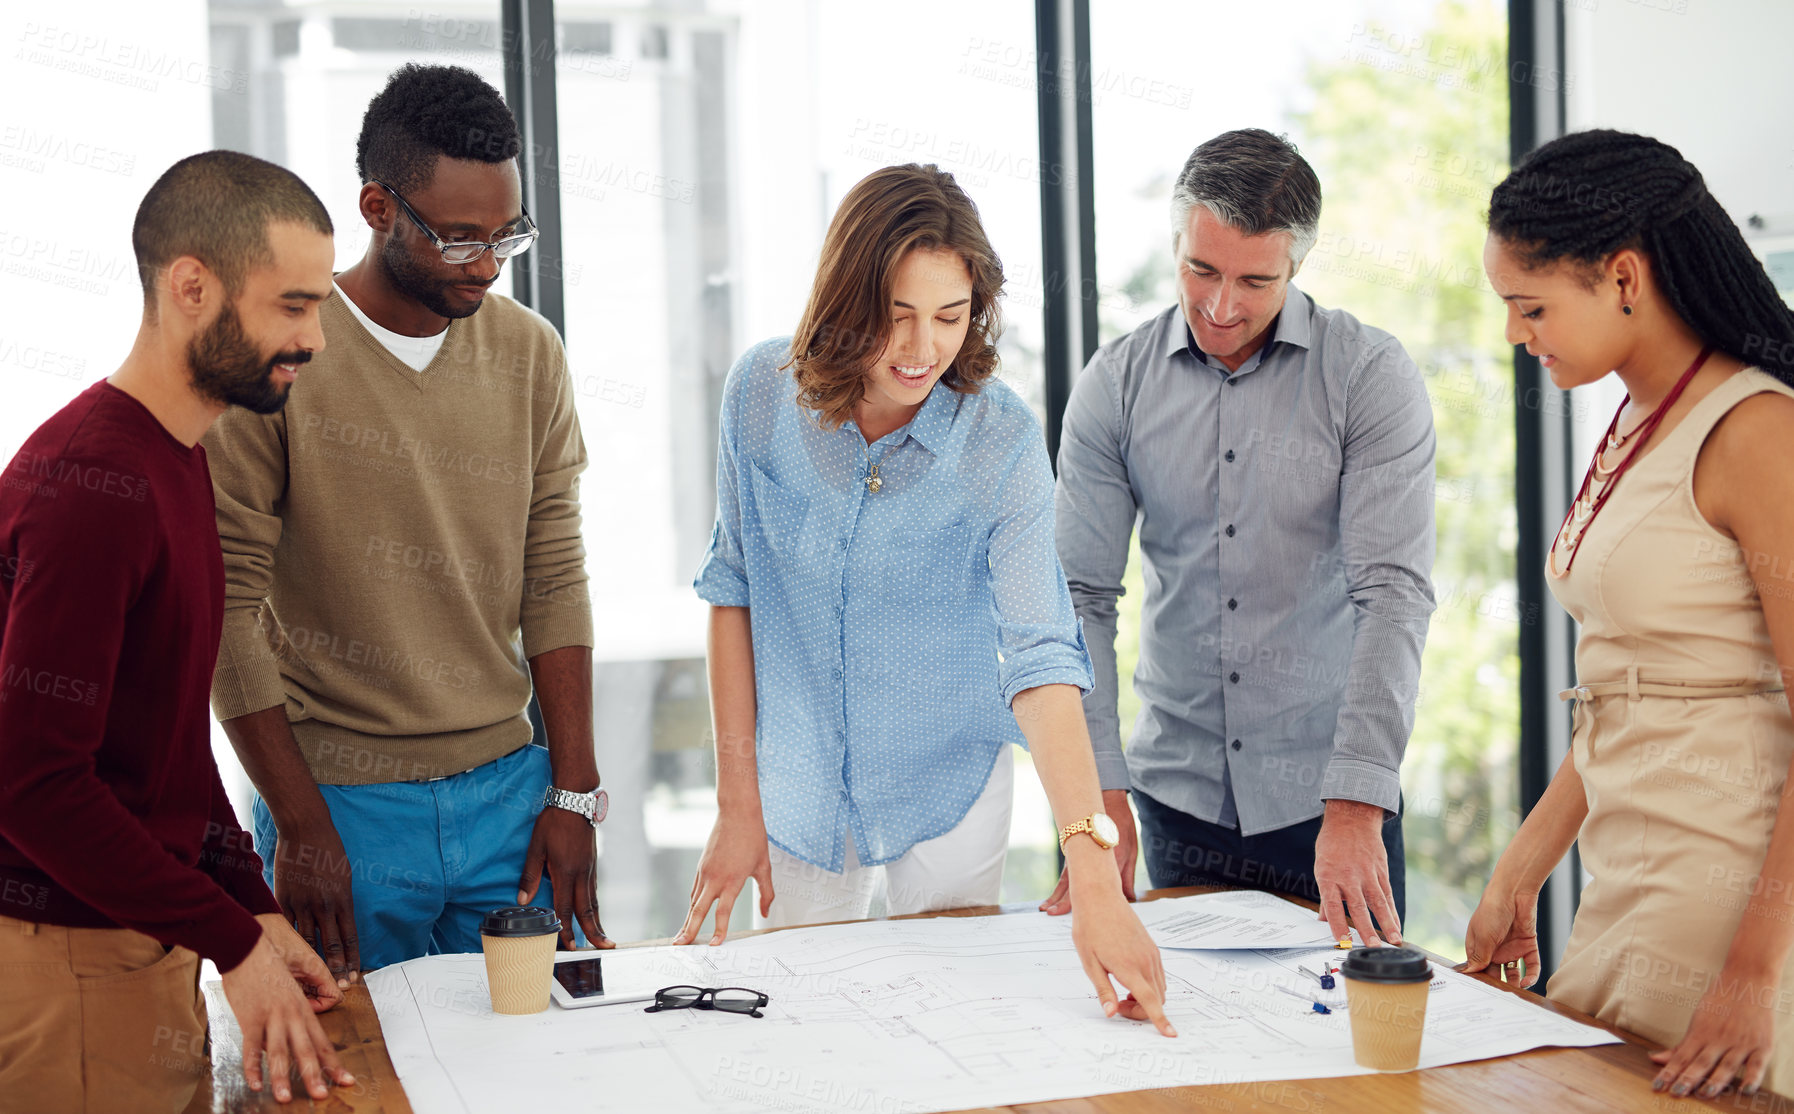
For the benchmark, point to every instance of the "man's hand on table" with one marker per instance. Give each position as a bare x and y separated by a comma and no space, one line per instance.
275,994
565,844
1351,870
313,883
1126,854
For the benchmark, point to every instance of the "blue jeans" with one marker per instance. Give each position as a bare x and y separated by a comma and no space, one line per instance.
430,858
1181,850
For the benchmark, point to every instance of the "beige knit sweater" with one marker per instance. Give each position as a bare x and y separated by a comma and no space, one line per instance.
397,544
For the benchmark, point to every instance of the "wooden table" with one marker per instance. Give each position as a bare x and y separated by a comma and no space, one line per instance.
1547,1081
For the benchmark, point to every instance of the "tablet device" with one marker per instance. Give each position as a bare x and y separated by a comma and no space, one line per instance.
582,980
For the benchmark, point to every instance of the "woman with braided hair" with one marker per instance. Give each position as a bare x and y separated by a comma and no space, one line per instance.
1677,560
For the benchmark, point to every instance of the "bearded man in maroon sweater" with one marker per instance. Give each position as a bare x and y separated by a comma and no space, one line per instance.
121,861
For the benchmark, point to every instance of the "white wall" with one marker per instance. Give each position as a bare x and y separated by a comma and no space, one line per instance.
1709,77
96,101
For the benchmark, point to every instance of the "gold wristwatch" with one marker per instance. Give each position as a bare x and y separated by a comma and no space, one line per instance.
1101,828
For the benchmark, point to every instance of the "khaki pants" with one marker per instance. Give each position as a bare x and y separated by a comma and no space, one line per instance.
97,1019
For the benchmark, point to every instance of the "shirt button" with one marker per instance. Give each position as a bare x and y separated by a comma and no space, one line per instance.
842,544
1236,744
1234,678
1229,457
1229,530
837,674
1233,605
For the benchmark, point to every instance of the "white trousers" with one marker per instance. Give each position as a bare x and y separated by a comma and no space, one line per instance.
962,867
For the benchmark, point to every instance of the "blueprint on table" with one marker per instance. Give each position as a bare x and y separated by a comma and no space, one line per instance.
904,1016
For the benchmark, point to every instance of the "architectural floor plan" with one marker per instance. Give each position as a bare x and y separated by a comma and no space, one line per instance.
907,1016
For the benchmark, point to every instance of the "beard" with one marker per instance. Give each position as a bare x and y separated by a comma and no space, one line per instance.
414,280
229,368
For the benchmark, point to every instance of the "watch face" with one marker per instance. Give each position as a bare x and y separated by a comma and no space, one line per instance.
601,805
1104,830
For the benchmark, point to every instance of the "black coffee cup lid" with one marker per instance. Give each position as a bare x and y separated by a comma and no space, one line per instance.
529,920
1401,964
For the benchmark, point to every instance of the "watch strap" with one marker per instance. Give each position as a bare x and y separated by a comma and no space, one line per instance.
1076,827
589,805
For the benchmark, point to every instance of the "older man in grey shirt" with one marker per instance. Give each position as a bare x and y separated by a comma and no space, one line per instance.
1278,457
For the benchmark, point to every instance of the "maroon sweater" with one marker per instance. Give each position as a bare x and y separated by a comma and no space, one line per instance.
111,600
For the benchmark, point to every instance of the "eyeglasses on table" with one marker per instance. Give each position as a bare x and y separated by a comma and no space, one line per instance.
729,999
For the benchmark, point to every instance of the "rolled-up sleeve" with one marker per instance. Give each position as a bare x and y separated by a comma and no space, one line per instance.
1038,635
1387,543
722,578
1095,509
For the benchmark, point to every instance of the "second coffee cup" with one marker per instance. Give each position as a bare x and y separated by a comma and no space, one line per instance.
1386,992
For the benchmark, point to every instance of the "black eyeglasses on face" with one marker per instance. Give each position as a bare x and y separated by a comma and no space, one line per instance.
729,999
461,252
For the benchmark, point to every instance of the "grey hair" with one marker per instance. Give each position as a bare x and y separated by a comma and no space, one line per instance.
1252,181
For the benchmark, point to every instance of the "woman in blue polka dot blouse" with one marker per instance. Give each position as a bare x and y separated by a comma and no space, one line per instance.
889,613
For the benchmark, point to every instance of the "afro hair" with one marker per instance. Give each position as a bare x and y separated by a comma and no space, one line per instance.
427,111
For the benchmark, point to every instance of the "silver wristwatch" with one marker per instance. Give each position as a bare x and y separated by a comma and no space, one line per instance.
591,805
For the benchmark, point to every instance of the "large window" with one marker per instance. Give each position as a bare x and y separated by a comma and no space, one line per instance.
1402,110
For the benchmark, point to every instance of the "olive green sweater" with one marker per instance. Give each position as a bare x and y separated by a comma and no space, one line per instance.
398,543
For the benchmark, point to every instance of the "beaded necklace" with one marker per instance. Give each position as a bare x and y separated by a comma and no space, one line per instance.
1605,470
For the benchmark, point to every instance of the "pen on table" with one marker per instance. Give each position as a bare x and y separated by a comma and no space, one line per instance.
1316,1006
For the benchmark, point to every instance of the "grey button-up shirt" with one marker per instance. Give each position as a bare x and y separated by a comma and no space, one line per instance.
1286,527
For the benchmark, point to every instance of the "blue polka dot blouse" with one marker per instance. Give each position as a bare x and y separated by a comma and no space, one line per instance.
891,628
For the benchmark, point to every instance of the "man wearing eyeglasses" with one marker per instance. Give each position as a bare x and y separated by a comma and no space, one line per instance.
403,555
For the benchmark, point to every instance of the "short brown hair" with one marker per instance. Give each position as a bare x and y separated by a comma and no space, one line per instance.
847,321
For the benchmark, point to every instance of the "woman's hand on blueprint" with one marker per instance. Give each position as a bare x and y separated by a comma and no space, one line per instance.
736,852
1112,944
1503,935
